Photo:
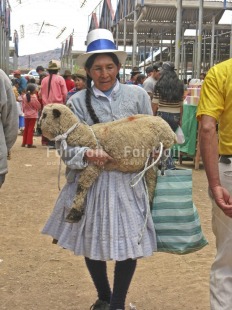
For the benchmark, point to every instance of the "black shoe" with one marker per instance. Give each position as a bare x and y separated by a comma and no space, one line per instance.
100,305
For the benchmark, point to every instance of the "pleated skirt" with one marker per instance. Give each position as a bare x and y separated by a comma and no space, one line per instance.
117,222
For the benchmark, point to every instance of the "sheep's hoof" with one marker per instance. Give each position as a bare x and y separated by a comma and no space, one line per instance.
74,216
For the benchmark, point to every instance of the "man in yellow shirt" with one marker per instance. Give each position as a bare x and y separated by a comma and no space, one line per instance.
215,106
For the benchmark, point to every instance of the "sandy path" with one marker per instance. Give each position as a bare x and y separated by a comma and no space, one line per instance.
37,275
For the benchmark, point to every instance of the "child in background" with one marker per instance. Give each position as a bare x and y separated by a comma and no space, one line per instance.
80,83
31,107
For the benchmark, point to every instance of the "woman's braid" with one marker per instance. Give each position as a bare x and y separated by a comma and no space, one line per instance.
90,109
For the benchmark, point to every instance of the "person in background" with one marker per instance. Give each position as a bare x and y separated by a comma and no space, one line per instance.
70,84
168,96
15,87
117,223
31,107
22,81
168,100
189,80
149,71
149,83
40,70
140,80
80,81
202,76
134,73
53,89
8,122
215,108
18,98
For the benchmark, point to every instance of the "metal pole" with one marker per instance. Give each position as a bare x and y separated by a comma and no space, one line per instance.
1,44
161,47
4,50
145,54
178,35
117,35
182,55
171,46
217,49
124,46
194,57
152,46
199,41
7,55
212,42
204,52
134,41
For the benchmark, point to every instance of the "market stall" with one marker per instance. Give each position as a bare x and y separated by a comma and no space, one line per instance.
190,125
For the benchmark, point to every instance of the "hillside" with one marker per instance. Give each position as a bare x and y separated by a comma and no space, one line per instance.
28,62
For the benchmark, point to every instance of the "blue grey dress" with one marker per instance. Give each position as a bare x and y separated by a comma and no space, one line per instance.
117,223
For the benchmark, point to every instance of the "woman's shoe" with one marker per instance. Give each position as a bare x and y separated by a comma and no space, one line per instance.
100,305
30,146
23,145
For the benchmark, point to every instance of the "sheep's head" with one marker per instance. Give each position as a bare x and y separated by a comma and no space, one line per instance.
56,119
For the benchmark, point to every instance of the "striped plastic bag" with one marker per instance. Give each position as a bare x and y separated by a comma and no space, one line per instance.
174,214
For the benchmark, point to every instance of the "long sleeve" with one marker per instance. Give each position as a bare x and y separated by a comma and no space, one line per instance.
8,120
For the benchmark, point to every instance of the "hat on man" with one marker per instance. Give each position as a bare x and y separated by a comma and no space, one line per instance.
100,41
17,72
135,70
81,73
67,73
52,66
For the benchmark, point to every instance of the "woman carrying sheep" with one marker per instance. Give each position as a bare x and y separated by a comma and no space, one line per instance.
117,224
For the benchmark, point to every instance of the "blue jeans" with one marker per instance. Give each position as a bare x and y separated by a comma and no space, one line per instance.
172,119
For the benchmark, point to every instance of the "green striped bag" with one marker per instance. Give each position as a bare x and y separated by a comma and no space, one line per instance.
175,217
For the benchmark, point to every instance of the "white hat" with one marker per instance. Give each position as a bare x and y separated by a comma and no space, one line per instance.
100,41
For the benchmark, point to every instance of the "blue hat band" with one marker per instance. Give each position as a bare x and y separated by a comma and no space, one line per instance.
101,44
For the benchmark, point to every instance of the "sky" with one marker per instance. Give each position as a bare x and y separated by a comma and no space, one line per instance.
48,23
44,20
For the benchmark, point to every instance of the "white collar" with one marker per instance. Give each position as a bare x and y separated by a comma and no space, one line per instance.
99,93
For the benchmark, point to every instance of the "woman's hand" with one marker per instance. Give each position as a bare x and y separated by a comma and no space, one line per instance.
97,157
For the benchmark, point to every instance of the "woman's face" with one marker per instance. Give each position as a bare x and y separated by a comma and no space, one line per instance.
80,83
103,72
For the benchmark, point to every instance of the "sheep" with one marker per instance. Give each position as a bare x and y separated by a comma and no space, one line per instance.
129,141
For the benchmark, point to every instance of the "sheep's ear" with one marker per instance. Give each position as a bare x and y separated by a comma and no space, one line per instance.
56,113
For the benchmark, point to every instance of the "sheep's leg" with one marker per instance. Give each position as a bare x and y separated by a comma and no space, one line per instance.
87,178
151,178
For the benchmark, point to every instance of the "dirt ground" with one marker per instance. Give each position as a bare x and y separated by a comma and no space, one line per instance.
38,275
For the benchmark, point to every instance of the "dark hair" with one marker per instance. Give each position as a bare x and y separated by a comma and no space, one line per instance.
32,80
169,87
157,65
51,72
149,69
14,82
31,87
140,79
88,65
39,68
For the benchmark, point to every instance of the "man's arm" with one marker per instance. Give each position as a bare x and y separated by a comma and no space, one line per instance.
209,152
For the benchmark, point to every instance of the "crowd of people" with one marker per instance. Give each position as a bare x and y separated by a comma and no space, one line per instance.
113,226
